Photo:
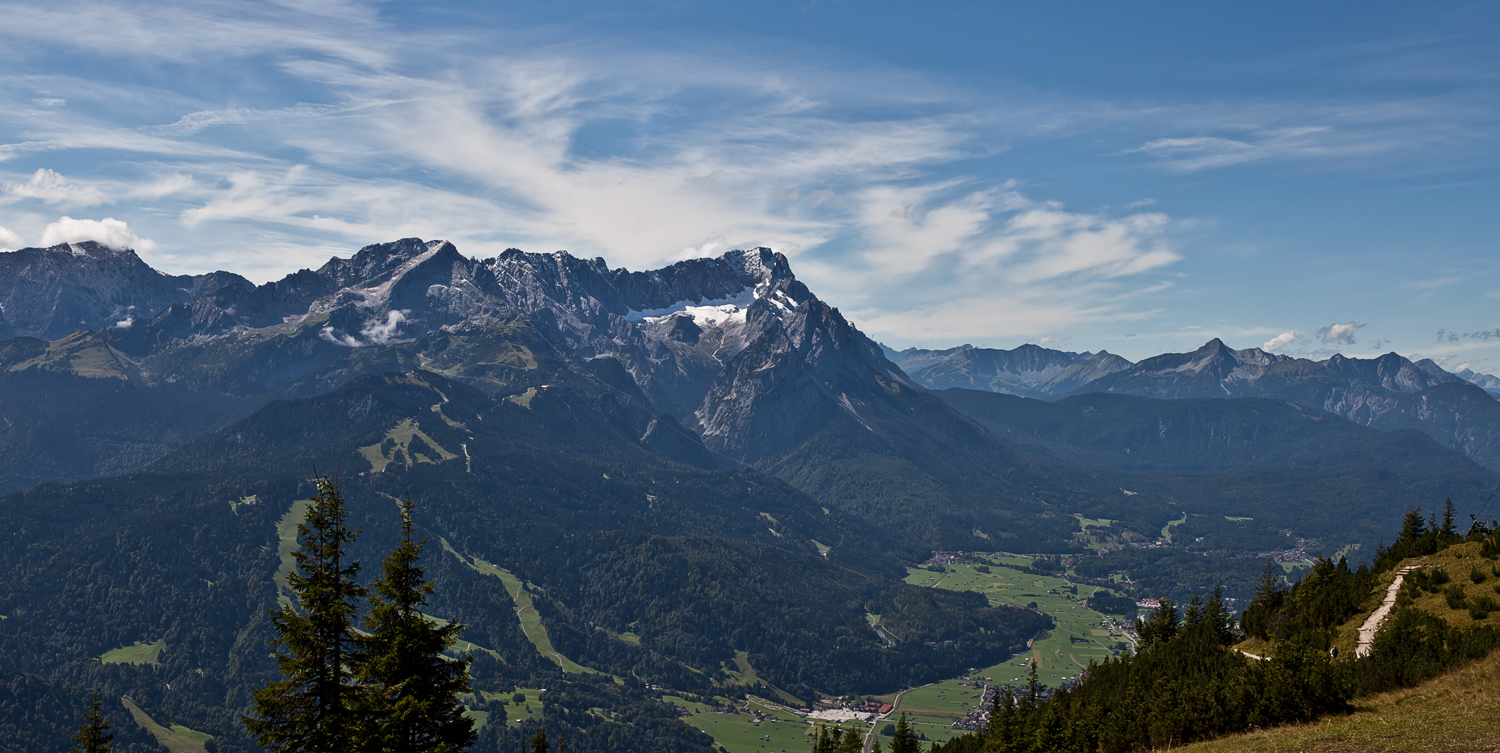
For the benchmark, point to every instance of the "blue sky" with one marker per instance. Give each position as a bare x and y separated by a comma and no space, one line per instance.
1136,177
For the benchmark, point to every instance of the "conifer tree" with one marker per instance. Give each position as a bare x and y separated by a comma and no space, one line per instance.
1412,526
1193,615
1002,728
93,735
1269,593
1218,617
1160,627
1447,533
315,708
905,740
412,688
539,742
852,742
1033,690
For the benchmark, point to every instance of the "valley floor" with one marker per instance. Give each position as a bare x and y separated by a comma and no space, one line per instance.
1458,712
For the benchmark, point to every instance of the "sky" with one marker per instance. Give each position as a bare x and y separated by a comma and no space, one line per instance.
1309,178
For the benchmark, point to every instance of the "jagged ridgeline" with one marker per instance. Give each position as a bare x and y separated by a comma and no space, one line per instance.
700,477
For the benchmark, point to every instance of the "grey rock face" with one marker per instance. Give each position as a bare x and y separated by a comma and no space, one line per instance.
735,346
49,292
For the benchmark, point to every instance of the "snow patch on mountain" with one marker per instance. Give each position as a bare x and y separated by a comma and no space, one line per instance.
705,313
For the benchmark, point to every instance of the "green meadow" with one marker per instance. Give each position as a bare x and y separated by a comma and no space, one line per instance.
1079,637
137,653
738,733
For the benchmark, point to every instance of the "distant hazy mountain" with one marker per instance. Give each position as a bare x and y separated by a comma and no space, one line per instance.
1028,371
1388,392
1489,382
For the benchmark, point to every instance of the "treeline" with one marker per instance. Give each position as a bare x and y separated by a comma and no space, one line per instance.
1185,683
1174,572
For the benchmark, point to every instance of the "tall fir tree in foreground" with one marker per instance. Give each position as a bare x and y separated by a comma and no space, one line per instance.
316,708
413,688
93,735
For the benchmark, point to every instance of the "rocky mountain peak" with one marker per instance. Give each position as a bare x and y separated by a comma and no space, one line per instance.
50,292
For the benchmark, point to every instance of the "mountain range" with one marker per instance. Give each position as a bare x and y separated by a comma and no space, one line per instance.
1388,392
692,475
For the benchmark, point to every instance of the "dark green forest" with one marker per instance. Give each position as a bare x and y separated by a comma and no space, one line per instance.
1185,683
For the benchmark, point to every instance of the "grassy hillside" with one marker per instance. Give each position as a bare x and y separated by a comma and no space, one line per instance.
1455,712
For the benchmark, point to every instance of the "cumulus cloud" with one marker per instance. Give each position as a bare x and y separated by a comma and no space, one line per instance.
1339,333
51,187
9,241
108,231
1280,341
380,333
1049,339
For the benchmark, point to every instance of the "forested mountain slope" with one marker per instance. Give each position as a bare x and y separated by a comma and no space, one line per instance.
698,566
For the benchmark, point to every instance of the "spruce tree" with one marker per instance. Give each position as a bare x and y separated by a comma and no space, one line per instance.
539,742
1218,617
1412,526
1447,533
1160,628
93,735
315,708
825,740
852,742
412,688
905,740
1033,690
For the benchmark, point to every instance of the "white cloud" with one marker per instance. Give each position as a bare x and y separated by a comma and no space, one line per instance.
52,188
1049,339
108,231
9,241
426,133
1339,332
1280,341
380,333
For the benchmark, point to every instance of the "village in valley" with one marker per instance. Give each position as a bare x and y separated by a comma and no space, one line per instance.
766,722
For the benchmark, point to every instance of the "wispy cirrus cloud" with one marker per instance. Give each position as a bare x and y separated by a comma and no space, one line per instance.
343,126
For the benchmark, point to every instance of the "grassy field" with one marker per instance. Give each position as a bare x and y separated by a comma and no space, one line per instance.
1080,635
781,730
523,399
176,739
401,436
286,534
531,622
1456,713
518,713
138,653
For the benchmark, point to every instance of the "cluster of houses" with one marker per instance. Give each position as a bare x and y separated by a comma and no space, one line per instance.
979,718
949,558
